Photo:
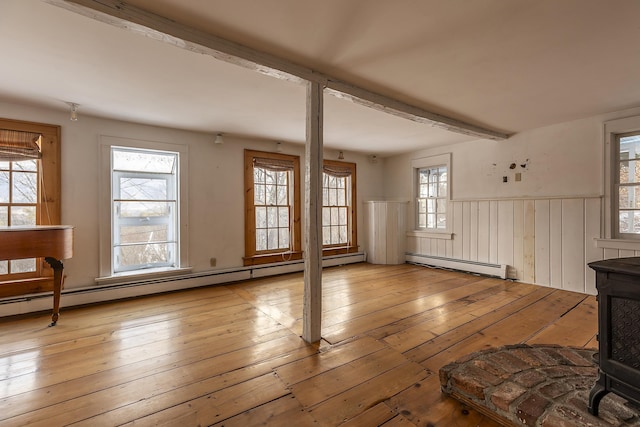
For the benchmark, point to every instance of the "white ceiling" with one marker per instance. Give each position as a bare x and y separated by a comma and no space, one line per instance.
507,65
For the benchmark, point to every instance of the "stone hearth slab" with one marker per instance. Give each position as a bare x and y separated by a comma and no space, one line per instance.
539,385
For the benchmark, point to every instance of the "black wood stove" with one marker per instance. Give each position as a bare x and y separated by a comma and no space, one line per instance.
618,284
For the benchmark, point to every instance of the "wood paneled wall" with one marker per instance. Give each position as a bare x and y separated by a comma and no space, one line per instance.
543,241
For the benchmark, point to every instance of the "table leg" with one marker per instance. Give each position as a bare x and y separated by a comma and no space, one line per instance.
57,287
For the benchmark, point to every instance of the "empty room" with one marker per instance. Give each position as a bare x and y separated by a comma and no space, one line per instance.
347,212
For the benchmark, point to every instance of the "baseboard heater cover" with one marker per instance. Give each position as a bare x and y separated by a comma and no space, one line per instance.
102,293
496,270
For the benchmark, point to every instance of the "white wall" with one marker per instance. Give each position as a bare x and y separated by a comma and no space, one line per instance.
216,173
544,226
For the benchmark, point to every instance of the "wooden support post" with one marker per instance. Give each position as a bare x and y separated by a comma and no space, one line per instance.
312,314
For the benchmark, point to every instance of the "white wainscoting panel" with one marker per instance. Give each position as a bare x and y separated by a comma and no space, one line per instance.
548,242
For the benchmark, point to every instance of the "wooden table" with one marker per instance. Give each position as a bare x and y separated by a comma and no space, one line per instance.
52,242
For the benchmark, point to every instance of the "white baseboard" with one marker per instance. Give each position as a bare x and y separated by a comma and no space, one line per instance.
497,270
102,293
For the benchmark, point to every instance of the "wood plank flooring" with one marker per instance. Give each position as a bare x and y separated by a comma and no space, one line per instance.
232,356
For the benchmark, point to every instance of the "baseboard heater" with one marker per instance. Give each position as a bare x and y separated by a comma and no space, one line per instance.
496,270
140,287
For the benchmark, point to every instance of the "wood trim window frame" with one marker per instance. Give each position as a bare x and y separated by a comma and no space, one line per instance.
252,256
352,246
49,211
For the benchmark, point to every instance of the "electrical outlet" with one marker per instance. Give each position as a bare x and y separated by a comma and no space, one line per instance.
505,179
518,176
212,262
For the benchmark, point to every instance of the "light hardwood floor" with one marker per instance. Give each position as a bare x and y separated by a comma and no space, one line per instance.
231,355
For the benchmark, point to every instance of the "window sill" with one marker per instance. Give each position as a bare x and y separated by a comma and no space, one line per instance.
339,250
152,273
620,244
271,258
444,235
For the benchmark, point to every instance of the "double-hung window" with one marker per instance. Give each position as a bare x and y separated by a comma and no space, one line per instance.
627,185
432,189
29,195
272,207
144,196
338,206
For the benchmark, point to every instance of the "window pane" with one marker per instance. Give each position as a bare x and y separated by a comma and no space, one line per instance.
629,197
25,165
272,195
283,217
4,267
325,196
335,236
282,195
282,178
261,217
441,221
342,233
23,265
143,189
258,175
629,171
284,237
342,216
143,209
422,220
326,216
431,205
270,177
424,190
261,239
441,206
25,187
442,189
4,165
272,238
125,160
23,215
4,215
145,254
4,187
433,190
144,233
272,217
326,235
333,196
629,221
431,221
334,216
423,175
342,198
422,206
259,197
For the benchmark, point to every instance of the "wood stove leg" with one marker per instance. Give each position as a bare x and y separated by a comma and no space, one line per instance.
595,396
57,287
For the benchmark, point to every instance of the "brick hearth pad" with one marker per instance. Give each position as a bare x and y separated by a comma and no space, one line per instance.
540,385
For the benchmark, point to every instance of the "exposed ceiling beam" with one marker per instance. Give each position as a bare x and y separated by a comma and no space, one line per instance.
134,19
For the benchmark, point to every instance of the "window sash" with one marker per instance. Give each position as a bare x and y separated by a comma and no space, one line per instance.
432,197
627,194
146,250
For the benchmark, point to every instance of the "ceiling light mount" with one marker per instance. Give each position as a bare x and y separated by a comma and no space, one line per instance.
218,140
73,115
